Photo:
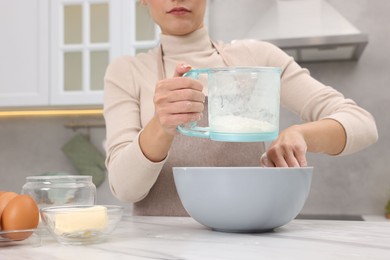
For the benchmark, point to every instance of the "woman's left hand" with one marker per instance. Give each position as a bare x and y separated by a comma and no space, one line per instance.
289,150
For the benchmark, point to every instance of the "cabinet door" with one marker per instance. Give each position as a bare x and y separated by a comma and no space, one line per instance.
85,36
82,44
139,32
24,53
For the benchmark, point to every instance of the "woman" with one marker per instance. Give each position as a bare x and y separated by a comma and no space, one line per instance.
146,99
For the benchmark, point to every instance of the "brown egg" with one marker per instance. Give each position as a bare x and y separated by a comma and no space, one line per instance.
20,213
5,198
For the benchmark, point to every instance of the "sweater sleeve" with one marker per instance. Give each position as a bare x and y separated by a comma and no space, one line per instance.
131,174
312,100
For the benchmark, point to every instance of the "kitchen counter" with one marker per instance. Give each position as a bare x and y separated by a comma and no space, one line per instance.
174,238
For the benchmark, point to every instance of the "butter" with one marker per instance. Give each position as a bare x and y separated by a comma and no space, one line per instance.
81,219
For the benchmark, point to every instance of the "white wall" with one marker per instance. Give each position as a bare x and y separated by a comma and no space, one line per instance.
32,146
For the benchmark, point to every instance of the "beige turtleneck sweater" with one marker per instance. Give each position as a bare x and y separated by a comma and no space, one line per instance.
128,107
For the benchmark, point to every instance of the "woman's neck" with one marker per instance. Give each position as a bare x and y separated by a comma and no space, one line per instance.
195,49
198,40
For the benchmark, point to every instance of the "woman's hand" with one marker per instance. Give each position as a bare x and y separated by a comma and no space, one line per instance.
178,100
289,150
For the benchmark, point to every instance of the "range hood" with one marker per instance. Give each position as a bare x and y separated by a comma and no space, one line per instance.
309,30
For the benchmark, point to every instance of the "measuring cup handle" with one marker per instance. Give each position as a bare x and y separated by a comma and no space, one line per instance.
192,129
195,73
196,131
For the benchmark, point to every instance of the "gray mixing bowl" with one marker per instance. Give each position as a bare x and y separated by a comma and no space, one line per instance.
243,199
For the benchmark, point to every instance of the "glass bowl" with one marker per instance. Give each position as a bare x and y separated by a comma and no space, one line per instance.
20,237
81,224
60,190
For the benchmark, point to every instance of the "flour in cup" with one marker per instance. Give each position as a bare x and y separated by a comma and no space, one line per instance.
236,124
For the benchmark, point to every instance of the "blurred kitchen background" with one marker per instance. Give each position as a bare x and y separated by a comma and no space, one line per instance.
53,55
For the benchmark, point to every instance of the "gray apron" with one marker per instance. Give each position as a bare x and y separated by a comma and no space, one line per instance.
185,151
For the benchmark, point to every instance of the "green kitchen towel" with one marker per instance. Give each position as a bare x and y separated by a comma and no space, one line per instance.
86,158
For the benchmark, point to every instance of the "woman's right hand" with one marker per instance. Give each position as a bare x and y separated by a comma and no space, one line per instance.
178,100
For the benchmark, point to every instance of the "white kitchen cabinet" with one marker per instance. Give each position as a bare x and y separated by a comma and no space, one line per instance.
56,52
84,37
24,57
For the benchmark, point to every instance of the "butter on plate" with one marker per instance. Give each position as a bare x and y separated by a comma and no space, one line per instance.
81,219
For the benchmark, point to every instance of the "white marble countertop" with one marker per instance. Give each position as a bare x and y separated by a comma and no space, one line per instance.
174,238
